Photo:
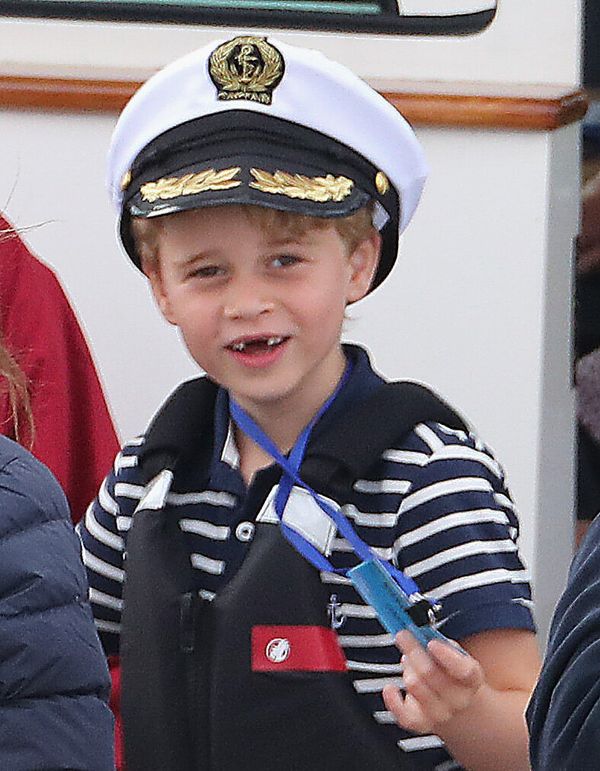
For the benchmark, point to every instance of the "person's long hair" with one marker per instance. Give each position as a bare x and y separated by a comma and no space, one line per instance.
13,381
13,384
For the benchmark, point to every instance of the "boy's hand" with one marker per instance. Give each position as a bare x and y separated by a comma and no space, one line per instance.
439,681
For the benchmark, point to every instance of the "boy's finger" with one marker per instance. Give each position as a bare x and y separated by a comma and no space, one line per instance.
418,662
453,660
405,709
456,663
427,680
406,641
430,695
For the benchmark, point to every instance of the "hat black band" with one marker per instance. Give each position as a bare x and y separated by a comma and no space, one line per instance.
247,157
222,140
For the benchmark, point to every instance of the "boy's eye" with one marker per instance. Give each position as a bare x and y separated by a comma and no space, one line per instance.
206,271
285,260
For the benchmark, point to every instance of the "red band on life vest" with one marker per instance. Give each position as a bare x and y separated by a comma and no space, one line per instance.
296,649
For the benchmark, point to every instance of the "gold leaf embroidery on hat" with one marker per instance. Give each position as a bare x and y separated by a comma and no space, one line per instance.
190,184
382,183
125,180
246,68
320,189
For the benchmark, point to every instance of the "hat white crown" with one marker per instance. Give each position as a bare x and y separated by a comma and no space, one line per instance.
314,92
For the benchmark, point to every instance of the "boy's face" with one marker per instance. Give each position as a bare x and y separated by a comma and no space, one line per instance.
261,314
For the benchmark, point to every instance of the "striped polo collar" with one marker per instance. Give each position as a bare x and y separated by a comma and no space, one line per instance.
224,471
192,430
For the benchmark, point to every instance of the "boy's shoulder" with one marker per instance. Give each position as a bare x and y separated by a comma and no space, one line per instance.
435,436
434,449
179,427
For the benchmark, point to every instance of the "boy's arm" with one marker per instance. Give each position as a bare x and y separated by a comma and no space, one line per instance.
474,702
102,532
564,712
457,538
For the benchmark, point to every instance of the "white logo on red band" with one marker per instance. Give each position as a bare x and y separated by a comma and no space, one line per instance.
278,649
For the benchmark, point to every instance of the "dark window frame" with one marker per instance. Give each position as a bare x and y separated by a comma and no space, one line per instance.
463,24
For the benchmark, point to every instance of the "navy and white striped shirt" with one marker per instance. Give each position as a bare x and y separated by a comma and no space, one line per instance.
436,505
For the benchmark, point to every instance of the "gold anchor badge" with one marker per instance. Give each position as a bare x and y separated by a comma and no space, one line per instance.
246,68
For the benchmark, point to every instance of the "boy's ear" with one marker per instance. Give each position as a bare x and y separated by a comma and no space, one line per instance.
154,276
364,260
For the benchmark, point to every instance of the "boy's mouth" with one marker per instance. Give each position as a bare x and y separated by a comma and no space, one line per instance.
257,345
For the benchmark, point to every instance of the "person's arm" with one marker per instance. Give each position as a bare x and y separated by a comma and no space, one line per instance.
102,532
564,712
474,702
53,675
458,540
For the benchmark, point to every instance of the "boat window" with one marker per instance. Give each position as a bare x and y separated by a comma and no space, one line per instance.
415,17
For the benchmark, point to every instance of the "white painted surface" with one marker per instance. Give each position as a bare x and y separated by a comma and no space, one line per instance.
444,7
530,41
53,182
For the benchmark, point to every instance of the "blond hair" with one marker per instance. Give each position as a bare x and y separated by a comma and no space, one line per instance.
13,383
352,229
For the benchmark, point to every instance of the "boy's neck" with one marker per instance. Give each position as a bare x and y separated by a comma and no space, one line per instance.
282,424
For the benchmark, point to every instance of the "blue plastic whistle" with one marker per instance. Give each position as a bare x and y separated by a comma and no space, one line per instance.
395,609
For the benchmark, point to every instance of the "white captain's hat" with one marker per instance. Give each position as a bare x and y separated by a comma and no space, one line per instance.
250,120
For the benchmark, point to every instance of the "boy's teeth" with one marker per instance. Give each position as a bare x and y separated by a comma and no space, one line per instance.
270,341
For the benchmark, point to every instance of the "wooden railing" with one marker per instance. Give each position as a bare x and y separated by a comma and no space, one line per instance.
426,104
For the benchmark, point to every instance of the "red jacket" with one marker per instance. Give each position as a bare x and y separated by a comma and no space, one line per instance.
74,433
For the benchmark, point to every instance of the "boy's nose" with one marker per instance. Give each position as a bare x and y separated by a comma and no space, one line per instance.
246,301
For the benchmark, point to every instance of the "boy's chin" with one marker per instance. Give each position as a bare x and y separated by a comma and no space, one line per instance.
261,397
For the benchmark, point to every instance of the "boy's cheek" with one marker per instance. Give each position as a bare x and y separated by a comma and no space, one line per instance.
162,296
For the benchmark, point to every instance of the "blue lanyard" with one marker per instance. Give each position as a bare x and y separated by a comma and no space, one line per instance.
290,467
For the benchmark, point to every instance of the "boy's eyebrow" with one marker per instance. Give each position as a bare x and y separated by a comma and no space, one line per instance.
186,259
277,243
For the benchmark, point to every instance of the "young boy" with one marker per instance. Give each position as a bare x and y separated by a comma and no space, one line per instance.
261,188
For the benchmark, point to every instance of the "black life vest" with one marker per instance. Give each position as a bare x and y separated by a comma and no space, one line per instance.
197,693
